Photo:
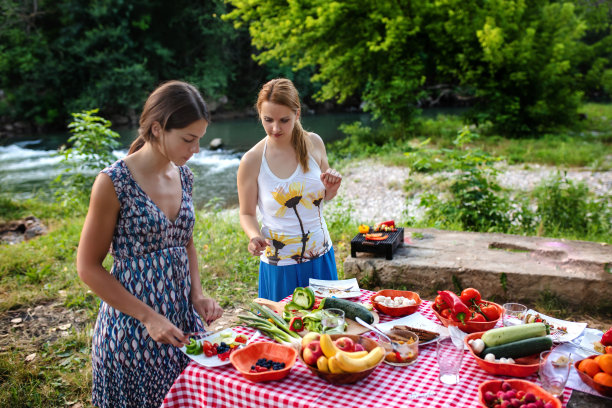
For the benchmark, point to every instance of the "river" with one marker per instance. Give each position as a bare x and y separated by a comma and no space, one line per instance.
28,166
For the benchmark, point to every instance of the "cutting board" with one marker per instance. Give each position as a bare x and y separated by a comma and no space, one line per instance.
352,327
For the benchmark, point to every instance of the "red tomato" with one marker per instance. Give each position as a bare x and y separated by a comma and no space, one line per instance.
206,345
489,311
470,295
446,313
477,317
439,304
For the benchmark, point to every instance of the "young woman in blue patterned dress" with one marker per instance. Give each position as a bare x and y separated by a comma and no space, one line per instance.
141,207
287,177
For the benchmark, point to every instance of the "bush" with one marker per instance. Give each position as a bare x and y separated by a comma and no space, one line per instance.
92,148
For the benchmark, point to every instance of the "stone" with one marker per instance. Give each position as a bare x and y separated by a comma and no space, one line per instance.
216,144
501,266
17,231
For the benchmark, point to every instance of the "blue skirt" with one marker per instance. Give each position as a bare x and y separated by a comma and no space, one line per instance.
278,282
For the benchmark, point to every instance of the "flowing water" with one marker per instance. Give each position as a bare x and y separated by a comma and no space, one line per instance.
28,166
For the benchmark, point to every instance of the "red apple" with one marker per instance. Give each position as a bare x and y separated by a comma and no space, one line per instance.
312,352
359,347
345,344
310,336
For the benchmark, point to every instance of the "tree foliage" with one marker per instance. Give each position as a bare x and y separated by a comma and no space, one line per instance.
519,61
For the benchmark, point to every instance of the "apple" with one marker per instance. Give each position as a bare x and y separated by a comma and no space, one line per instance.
311,336
312,352
345,344
359,347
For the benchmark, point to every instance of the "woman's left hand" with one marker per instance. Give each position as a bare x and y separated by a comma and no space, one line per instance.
208,308
331,179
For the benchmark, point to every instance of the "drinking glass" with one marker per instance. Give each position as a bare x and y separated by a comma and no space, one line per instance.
554,371
514,314
332,320
449,358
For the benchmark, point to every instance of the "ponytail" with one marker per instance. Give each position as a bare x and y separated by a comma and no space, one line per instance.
137,144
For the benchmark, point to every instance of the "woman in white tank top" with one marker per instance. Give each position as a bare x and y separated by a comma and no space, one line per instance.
286,175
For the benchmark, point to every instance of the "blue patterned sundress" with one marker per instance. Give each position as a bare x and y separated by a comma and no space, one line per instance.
130,369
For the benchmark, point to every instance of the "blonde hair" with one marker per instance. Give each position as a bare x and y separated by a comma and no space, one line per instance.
281,91
174,105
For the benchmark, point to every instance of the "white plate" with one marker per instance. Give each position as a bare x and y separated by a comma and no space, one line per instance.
560,330
213,338
335,288
418,321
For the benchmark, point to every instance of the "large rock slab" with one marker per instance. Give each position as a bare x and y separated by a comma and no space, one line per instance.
503,267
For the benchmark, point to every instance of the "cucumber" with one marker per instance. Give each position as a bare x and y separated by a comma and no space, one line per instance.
351,309
520,348
503,335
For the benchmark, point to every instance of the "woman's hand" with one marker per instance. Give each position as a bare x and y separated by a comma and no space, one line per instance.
163,331
257,245
208,308
331,179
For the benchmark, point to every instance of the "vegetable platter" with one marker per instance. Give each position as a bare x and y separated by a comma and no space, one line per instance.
227,336
352,326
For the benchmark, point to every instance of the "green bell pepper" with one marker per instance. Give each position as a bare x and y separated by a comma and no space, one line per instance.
304,298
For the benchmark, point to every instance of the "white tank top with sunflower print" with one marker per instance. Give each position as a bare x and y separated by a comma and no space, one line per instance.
292,214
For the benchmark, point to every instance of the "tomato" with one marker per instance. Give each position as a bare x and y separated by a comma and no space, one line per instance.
446,313
477,317
206,345
489,311
470,296
439,304
208,353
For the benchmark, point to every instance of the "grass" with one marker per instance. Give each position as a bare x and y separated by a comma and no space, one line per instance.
43,270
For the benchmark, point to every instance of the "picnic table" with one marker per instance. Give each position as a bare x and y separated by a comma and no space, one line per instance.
388,386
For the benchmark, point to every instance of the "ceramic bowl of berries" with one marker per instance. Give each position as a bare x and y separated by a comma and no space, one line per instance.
264,361
518,393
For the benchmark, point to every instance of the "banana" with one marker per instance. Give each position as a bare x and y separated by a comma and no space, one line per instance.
327,346
355,365
334,367
356,354
322,364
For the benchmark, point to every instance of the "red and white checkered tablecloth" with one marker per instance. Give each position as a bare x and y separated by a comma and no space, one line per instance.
387,386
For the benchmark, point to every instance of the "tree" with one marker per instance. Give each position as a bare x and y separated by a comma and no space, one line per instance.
517,59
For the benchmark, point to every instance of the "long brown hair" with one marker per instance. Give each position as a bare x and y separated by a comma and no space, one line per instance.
281,91
174,105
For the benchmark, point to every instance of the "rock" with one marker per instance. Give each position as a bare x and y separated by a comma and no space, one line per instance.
500,266
215,144
14,232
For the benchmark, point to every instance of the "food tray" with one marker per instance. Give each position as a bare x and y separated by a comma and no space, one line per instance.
386,247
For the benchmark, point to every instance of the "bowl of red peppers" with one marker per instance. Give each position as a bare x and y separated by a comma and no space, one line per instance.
264,361
466,311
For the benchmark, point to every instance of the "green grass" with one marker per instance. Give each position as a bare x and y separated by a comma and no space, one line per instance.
43,270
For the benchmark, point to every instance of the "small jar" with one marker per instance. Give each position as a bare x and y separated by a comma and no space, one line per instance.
406,351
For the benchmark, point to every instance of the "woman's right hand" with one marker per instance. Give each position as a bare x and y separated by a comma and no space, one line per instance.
257,245
163,331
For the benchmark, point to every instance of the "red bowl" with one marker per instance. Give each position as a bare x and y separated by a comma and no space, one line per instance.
396,311
600,388
470,327
244,358
524,366
518,385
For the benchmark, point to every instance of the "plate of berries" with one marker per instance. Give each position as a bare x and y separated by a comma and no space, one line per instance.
214,349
